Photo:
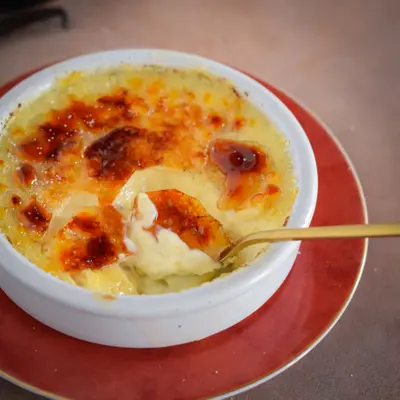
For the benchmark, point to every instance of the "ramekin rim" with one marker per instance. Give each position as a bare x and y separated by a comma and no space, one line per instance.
217,291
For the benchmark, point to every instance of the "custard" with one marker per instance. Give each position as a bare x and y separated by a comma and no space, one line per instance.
132,180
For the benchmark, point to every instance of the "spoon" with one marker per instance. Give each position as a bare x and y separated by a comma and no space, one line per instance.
313,233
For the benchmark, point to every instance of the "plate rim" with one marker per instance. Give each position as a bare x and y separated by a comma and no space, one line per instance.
259,381
339,315
218,291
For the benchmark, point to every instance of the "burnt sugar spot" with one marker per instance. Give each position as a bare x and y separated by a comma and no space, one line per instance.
186,216
99,250
34,216
63,127
108,157
122,151
16,200
244,167
94,253
216,121
25,174
238,123
86,223
273,189
120,102
48,142
92,240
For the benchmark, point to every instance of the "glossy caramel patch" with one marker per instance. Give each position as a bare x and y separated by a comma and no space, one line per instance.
244,167
26,174
186,216
34,216
91,240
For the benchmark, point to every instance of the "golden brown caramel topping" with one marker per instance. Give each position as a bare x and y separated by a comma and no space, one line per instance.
26,174
244,167
186,216
170,131
92,241
118,154
48,143
35,216
133,133
96,252
62,129
109,157
86,144
118,101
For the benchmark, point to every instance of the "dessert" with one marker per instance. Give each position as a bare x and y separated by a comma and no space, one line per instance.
132,180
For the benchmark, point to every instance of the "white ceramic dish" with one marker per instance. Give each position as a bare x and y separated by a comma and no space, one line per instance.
169,319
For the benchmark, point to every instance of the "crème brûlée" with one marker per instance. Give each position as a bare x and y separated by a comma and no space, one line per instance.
132,180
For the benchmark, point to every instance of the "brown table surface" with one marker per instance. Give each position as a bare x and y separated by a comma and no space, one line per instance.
342,59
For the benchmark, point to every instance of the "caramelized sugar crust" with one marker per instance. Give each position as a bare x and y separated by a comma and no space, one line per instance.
91,239
186,216
244,167
96,147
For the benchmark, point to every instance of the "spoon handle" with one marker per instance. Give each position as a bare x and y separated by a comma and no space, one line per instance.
313,233
328,232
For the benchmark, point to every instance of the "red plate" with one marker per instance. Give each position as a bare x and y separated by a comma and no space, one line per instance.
297,317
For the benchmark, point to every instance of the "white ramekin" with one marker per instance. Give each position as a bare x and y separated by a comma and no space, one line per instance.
170,319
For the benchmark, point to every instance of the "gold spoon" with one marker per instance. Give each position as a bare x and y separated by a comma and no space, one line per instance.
313,233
